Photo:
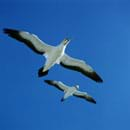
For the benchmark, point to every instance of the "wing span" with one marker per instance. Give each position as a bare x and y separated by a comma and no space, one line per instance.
59,85
80,66
31,40
85,96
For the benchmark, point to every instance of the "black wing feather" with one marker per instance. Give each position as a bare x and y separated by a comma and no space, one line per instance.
16,35
93,75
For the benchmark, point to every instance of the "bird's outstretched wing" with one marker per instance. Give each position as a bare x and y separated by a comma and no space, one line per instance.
85,96
57,84
80,66
29,39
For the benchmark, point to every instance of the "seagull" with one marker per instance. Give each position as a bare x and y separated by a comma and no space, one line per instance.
70,91
53,54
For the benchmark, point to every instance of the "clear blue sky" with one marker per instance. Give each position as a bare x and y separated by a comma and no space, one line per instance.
100,33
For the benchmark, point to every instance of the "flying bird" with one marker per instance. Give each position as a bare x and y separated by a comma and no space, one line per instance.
70,91
53,54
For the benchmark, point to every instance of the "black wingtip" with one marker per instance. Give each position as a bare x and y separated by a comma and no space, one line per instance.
9,31
96,77
41,73
13,33
93,101
48,81
5,30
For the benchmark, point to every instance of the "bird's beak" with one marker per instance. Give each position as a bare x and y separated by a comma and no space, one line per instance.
67,40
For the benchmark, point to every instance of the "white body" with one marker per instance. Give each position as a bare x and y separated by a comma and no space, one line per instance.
54,56
69,92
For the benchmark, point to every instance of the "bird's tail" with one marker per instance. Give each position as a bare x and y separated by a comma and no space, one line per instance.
41,73
62,99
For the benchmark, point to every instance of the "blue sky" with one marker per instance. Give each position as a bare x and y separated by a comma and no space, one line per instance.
100,33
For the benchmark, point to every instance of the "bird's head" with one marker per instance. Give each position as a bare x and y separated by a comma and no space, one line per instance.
66,41
77,87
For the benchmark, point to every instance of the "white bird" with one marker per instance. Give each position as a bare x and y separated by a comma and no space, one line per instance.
70,91
54,54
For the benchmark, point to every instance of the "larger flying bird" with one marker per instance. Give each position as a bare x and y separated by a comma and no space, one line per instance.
70,91
53,54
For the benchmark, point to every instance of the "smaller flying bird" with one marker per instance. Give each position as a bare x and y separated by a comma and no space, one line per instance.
70,91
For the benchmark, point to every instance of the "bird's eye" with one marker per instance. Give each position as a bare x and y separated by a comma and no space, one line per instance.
65,41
